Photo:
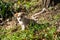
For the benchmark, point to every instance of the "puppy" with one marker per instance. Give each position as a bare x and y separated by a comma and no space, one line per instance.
23,20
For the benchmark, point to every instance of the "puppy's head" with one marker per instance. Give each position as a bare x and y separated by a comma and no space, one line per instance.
20,14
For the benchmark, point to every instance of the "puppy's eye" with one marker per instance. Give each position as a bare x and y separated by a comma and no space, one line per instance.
20,19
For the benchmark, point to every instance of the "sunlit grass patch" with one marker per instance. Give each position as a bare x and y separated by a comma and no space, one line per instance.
56,17
34,32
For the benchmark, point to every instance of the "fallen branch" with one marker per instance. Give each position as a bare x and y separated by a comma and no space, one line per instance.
34,17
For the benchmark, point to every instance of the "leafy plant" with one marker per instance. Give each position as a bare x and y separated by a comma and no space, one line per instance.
5,9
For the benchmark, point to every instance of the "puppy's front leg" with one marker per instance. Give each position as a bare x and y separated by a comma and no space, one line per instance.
23,27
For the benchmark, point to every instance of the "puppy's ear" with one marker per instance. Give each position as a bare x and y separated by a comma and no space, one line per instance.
16,15
23,14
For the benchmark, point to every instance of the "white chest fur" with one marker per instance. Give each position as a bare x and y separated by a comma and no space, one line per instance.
21,23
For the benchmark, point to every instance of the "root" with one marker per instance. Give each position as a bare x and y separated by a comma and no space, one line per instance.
34,17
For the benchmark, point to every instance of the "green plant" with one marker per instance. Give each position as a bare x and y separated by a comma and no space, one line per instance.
6,9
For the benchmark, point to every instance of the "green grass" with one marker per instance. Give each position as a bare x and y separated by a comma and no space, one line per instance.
34,32
46,30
